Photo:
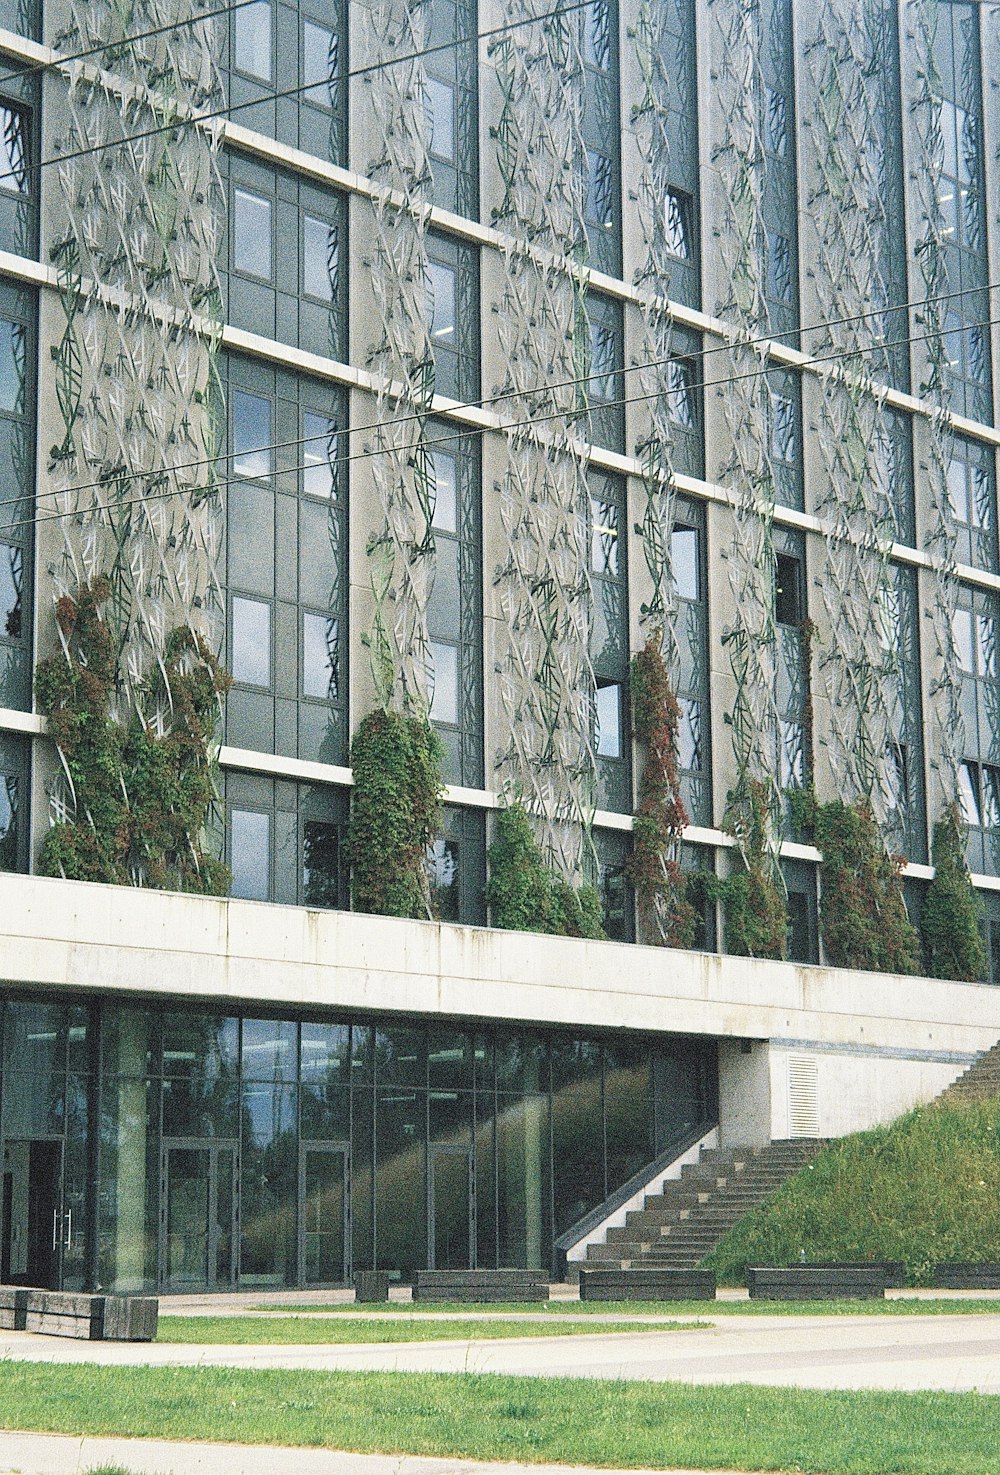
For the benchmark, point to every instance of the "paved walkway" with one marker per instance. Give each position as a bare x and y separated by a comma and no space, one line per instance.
57,1454
951,1353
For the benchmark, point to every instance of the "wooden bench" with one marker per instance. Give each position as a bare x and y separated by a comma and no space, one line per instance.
894,1270
646,1283
814,1283
481,1285
77,1314
967,1275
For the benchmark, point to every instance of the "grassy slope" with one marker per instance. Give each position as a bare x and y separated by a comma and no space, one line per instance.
923,1189
622,1425
273,1331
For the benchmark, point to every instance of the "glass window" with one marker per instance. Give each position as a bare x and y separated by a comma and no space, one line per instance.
779,267
680,393
677,215
319,455
252,454
441,303
442,863
326,1052
320,864
253,39
776,123
14,168
441,117
8,822
12,366
600,189
252,234
604,537
445,473
602,361
788,591
689,734
320,252
270,1049
968,794
319,656
961,627
792,770
609,720
320,48
251,647
11,582
597,35
444,703
250,855
684,562
784,432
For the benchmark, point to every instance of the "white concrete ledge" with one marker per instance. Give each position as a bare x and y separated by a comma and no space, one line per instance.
79,937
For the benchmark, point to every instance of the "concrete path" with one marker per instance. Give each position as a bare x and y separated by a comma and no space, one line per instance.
58,1454
950,1353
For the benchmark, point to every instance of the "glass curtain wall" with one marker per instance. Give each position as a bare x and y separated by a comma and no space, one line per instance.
183,1149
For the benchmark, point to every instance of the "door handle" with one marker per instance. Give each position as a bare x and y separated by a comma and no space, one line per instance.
69,1230
55,1229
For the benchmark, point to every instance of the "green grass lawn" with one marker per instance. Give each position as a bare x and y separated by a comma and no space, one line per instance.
246,1331
502,1418
924,1188
905,1306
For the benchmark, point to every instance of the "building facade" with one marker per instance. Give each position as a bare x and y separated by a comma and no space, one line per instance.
441,357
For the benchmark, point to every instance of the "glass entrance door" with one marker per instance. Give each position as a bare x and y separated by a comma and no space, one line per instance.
323,1237
451,1204
198,1215
34,1230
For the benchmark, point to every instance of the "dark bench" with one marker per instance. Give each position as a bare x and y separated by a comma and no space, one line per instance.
76,1314
967,1275
371,1285
893,1270
647,1283
481,1285
814,1283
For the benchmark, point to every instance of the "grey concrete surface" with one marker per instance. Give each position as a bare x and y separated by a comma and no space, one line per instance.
949,1353
58,1454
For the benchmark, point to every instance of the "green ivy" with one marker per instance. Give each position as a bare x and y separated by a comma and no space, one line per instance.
862,914
524,895
666,916
142,792
754,910
950,917
395,813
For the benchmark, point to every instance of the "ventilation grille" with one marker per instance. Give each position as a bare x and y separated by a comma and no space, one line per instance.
803,1112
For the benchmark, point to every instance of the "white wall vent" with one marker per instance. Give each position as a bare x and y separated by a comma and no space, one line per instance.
803,1110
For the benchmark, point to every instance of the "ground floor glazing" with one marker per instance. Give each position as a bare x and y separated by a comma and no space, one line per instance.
168,1147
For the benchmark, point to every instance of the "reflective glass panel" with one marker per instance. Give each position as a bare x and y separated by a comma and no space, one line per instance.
445,491
251,654
252,234
320,864
319,455
444,703
14,169
319,251
609,721
8,822
12,366
441,303
253,39
199,1044
270,1050
251,854
319,61
326,1052
319,656
251,434
11,571
684,562
441,117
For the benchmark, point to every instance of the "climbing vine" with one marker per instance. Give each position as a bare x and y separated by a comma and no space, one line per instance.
524,895
754,909
666,916
395,813
862,914
950,917
140,791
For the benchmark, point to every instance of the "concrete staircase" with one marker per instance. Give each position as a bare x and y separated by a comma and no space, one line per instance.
678,1227
981,1082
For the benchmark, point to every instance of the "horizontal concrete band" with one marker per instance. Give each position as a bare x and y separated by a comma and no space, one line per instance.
77,936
